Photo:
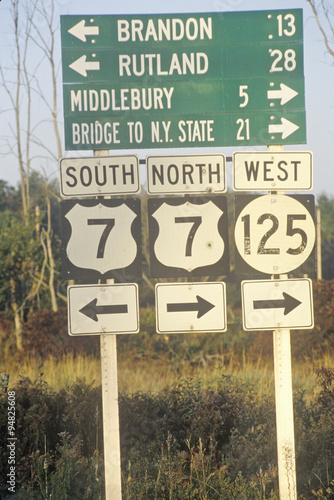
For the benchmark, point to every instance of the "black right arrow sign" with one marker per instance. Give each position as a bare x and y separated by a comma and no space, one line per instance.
289,303
202,306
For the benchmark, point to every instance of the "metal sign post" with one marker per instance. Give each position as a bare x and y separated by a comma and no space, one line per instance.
111,438
284,411
284,416
275,235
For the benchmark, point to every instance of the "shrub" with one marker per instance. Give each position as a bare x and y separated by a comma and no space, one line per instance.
46,334
186,442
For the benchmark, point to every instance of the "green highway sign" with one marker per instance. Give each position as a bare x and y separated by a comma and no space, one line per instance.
183,80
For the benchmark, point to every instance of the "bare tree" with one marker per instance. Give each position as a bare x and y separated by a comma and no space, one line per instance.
324,14
33,28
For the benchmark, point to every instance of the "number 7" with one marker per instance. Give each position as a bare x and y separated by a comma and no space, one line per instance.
109,223
196,222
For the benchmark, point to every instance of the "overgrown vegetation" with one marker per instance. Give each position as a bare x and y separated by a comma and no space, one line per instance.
207,432
186,441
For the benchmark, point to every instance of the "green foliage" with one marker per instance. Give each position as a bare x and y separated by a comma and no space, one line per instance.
17,255
9,197
58,443
45,334
326,206
186,442
24,259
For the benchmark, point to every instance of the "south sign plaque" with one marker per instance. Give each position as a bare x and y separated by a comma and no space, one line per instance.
274,234
183,80
99,176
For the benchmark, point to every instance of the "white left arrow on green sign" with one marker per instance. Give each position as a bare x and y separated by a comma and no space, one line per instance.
81,65
80,30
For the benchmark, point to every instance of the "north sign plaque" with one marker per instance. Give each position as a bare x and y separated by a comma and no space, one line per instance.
183,80
186,174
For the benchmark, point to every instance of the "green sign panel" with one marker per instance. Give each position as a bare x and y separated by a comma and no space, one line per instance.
183,80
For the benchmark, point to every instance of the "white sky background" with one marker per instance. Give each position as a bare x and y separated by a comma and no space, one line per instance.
318,71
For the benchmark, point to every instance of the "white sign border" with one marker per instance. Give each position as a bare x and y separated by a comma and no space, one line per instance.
207,189
274,283
101,288
65,193
189,331
265,185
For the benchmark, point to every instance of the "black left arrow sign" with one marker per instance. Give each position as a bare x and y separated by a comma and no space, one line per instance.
91,310
202,306
288,303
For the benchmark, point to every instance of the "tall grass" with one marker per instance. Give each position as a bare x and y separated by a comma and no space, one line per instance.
153,375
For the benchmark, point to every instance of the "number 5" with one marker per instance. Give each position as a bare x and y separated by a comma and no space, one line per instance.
244,95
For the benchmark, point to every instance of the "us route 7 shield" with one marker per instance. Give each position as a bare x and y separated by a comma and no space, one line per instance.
188,236
101,239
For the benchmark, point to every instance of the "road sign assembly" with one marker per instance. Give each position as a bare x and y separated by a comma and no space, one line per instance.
101,309
271,171
188,236
190,307
183,80
187,81
101,239
277,304
191,174
274,234
99,176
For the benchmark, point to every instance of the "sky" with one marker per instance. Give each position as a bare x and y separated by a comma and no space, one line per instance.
318,73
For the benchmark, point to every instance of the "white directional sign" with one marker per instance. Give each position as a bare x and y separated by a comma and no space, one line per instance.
190,307
99,176
277,304
271,171
178,174
188,236
274,234
101,309
101,238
